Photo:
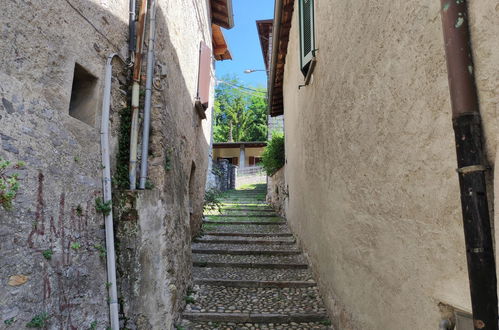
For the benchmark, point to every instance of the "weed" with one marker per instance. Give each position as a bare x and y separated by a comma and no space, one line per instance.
149,185
168,159
212,200
103,207
75,246
39,321
101,249
79,210
190,291
108,285
325,322
10,321
76,159
47,254
189,299
9,183
179,327
93,325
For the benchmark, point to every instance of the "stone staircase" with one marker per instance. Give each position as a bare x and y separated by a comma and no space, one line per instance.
249,273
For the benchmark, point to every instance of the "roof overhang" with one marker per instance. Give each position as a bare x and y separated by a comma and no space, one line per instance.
258,144
283,14
221,13
220,48
264,28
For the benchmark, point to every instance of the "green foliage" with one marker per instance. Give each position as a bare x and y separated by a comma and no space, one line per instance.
93,325
239,114
168,159
79,211
47,254
212,200
75,246
325,322
101,249
108,285
39,321
189,299
120,178
10,321
273,156
103,207
149,185
9,183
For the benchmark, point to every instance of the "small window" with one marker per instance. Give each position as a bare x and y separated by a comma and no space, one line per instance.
83,101
307,35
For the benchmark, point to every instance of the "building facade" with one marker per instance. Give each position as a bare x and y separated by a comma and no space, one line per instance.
53,249
371,187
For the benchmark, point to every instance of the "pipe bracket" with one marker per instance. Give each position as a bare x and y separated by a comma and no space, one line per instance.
471,169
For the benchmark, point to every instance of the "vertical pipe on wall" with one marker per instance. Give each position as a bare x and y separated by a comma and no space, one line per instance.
147,102
470,158
106,187
131,30
134,131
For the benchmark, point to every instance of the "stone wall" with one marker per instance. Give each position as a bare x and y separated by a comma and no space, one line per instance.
277,192
373,192
55,207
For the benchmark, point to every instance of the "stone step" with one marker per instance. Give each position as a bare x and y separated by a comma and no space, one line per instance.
209,325
246,241
251,234
298,259
254,274
248,210
246,252
261,223
246,215
246,228
256,284
233,301
268,265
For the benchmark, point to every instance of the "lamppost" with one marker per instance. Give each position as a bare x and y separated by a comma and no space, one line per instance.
253,70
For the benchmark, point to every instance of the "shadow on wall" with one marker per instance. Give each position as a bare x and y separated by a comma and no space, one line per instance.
57,234
155,262
52,239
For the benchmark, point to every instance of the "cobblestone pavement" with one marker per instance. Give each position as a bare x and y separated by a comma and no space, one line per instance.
250,276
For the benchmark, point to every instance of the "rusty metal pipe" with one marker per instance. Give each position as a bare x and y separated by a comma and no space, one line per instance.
471,160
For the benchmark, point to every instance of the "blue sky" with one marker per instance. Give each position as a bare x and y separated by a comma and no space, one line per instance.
243,41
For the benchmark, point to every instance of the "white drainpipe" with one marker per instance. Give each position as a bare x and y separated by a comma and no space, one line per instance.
106,184
147,101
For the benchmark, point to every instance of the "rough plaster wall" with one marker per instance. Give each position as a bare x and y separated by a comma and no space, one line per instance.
373,193
62,158
155,241
42,41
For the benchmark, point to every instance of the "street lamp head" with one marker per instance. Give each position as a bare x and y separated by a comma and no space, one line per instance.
253,70
248,71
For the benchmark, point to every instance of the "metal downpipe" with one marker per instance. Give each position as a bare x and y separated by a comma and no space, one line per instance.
471,168
106,187
148,96
134,130
275,43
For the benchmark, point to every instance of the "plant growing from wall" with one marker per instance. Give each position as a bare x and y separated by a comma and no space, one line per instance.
103,207
273,156
47,254
120,178
9,183
212,200
39,321
101,249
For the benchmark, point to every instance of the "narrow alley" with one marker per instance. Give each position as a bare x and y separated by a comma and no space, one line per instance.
248,271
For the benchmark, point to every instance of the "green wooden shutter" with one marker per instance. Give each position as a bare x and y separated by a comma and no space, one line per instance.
307,36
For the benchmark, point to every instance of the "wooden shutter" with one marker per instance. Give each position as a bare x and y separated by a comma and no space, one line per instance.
235,161
307,35
204,78
251,161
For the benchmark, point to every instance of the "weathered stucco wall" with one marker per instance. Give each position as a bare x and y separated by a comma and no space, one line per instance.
373,193
55,208
277,192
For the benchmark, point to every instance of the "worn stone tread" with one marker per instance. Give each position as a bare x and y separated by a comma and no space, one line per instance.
259,223
255,284
254,274
245,252
266,265
208,325
199,257
255,317
259,235
247,228
245,241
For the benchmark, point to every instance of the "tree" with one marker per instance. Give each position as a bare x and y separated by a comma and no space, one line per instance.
240,112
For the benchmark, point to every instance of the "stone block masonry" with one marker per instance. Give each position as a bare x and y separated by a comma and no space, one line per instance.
52,249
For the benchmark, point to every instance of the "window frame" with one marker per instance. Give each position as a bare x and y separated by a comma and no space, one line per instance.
306,59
